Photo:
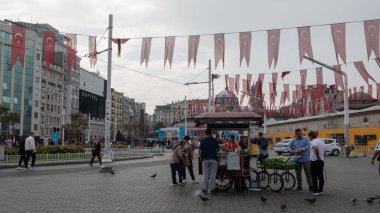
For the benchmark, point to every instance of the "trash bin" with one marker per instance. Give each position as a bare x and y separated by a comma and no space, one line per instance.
348,150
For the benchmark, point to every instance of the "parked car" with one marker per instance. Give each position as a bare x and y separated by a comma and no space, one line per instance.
282,146
332,146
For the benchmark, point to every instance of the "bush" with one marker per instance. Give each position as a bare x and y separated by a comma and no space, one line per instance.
49,150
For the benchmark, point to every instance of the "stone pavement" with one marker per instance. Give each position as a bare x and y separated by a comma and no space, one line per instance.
80,188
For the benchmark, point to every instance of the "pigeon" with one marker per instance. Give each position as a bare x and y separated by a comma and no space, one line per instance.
311,200
283,206
353,200
263,199
203,198
153,176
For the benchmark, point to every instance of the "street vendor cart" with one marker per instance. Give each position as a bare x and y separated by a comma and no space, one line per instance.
233,167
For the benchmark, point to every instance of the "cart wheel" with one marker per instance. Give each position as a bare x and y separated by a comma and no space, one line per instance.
275,182
263,177
289,180
224,181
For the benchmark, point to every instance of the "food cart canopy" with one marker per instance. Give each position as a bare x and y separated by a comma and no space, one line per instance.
229,118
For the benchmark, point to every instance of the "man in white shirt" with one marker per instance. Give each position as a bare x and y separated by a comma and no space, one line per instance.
30,150
317,155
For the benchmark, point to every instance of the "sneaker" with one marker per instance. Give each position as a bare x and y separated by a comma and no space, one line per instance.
184,181
315,194
321,193
299,188
204,190
174,184
195,182
19,168
181,184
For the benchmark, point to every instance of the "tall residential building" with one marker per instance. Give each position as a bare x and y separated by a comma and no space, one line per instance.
92,102
21,84
128,119
116,112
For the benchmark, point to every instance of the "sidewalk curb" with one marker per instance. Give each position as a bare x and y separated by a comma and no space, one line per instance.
69,162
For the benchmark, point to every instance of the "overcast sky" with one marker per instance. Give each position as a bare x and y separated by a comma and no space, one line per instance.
160,18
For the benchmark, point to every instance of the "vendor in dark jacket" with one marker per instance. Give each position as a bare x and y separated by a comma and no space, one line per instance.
21,152
263,146
96,148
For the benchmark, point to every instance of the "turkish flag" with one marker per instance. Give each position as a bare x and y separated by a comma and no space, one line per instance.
49,47
18,44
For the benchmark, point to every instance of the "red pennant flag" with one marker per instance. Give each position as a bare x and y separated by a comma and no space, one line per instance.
363,72
282,99
338,32
169,50
237,86
18,44
119,42
242,99
272,95
369,94
294,96
273,46
303,74
249,80
92,50
219,48
259,85
226,79
214,76
245,39
355,98
71,51
283,74
319,73
193,44
286,93
49,47
231,84
274,80
362,94
338,77
244,81
304,42
371,31
145,50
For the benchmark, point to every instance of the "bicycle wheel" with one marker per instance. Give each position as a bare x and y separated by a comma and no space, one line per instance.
275,182
223,181
263,177
289,180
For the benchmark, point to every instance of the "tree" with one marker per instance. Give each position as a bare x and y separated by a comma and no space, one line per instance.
119,136
13,118
159,125
78,126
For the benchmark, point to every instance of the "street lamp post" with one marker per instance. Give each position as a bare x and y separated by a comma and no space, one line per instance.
346,108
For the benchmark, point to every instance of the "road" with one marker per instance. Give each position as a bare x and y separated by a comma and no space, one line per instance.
80,188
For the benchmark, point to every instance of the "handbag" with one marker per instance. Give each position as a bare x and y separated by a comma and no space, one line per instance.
233,161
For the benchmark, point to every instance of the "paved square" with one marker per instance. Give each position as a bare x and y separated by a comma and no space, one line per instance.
80,188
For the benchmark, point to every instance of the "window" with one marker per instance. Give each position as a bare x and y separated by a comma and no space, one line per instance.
5,86
37,80
35,127
328,141
38,56
36,103
36,115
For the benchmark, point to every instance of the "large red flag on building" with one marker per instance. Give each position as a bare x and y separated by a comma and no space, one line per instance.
18,44
49,47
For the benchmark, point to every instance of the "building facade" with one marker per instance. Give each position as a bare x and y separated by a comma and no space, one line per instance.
21,84
92,102
116,112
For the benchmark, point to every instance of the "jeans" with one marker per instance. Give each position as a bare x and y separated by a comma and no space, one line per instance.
191,171
176,167
210,168
22,159
28,154
316,169
306,168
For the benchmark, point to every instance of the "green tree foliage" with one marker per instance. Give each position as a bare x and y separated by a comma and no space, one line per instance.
77,127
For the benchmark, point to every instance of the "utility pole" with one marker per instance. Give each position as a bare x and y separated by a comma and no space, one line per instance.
107,162
209,86
346,108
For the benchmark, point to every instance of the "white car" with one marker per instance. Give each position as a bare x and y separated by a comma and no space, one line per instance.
282,146
332,147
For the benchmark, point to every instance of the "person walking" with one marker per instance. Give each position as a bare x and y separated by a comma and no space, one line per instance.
376,154
189,152
317,156
30,150
21,152
300,146
175,159
208,150
262,143
96,148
